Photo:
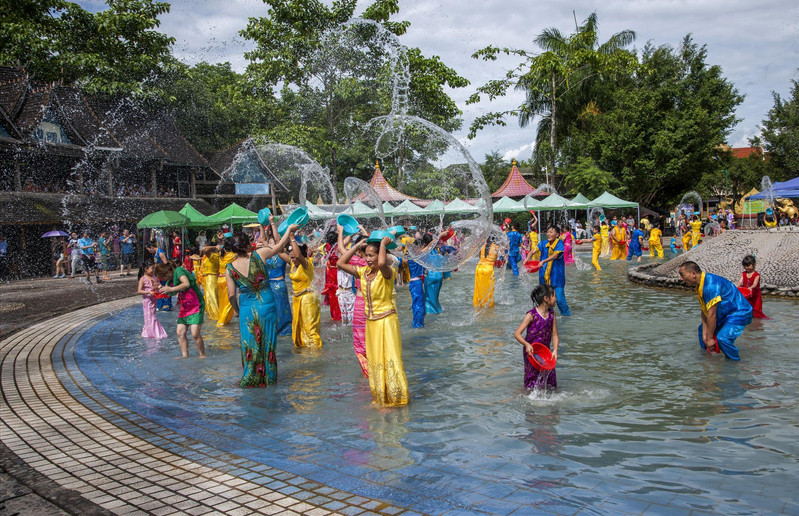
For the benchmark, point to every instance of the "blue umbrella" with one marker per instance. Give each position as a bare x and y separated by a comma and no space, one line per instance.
55,233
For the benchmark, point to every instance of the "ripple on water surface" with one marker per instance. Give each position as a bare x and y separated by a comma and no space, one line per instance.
640,416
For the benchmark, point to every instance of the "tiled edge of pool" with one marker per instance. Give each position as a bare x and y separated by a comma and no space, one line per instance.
72,434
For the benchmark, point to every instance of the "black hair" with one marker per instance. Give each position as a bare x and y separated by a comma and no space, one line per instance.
540,293
357,238
748,260
691,266
239,243
302,247
555,227
427,238
148,262
331,237
376,245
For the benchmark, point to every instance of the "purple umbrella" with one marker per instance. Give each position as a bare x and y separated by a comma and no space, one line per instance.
55,233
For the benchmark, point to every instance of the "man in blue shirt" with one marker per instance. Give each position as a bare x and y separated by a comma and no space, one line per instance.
725,311
636,244
127,243
87,248
514,255
553,267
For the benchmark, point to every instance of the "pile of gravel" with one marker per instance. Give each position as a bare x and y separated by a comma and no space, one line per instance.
776,251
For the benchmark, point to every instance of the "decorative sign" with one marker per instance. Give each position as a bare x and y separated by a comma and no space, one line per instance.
252,188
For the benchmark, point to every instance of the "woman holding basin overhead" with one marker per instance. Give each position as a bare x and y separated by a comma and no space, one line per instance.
276,266
251,297
387,378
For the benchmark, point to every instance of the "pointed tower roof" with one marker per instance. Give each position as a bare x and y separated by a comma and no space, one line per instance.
515,185
385,191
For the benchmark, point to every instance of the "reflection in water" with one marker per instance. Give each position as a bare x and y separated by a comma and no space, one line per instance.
640,410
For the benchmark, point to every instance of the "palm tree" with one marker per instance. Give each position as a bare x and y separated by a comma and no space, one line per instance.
558,83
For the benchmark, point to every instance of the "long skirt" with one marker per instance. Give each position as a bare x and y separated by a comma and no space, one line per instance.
384,352
211,296
536,379
417,302
258,329
282,306
305,321
483,285
432,288
359,334
152,327
225,309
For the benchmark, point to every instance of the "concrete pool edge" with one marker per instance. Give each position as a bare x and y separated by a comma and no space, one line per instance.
68,443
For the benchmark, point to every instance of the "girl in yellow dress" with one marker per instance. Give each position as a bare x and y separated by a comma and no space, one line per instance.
604,231
305,308
225,314
210,272
383,340
655,245
484,275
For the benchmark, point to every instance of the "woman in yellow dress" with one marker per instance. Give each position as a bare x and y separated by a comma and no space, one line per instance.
619,239
387,378
655,244
696,230
210,272
305,309
533,253
225,314
484,275
597,247
604,231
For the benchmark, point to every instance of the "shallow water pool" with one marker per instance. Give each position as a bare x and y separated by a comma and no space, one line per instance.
642,421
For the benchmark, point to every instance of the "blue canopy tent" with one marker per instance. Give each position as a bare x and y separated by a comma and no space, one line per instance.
786,189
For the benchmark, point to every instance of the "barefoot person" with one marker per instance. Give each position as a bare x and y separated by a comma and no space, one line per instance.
190,299
725,311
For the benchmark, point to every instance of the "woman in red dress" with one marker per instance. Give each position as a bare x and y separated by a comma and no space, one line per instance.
176,250
750,279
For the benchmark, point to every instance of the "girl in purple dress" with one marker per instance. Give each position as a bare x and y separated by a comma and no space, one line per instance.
148,286
540,326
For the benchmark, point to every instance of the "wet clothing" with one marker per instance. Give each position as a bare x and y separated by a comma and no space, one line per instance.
755,298
277,282
539,330
416,288
733,311
554,273
192,306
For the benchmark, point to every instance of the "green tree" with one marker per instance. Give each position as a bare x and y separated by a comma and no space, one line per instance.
115,51
495,170
339,93
587,178
661,130
781,134
557,83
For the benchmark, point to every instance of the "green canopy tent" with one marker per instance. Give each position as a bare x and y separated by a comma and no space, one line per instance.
608,200
508,205
163,219
196,219
387,209
359,209
436,208
408,208
233,214
460,206
580,202
317,213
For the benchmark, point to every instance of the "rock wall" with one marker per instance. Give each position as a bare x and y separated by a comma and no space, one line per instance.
776,252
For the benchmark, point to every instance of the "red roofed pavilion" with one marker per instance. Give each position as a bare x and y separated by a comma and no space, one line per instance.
515,185
385,191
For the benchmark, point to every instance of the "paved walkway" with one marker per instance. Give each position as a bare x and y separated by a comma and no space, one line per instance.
88,455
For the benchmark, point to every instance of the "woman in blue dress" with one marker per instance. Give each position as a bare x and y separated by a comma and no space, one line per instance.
252,299
276,266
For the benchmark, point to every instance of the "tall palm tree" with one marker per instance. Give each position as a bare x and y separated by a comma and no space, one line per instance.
559,81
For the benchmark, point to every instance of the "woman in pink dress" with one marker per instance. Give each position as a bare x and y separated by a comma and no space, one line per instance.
359,310
568,247
148,286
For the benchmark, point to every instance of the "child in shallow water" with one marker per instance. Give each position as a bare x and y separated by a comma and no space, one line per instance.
750,279
540,326
147,288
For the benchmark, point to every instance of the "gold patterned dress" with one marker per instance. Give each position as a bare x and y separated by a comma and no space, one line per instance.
305,308
383,340
210,271
225,309
484,277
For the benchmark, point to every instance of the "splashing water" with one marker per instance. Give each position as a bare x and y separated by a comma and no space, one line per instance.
767,187
689,204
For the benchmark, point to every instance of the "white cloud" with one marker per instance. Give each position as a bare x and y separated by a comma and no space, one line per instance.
755,43
519,154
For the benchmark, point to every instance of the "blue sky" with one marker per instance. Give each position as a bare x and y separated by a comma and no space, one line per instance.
755,43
